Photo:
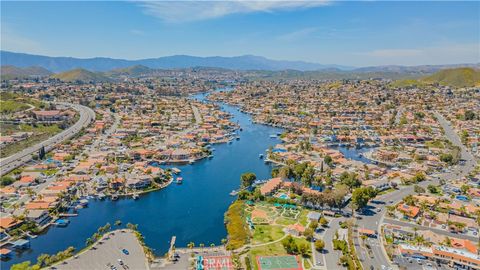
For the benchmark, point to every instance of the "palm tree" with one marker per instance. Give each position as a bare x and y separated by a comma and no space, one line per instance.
191,245
88,242
202,245
118,223
224,241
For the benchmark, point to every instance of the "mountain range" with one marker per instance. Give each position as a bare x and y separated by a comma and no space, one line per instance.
245,62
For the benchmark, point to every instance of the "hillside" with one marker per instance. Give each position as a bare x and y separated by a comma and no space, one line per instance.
244,62
133,71
457,77
454,77
11,72
81,75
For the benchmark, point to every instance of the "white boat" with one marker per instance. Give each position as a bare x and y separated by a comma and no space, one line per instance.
273,136
135,196
83,202
260,156
101,196
233,193
210,156
179,180
114,197
176,170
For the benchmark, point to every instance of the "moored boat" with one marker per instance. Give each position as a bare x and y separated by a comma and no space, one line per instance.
179,180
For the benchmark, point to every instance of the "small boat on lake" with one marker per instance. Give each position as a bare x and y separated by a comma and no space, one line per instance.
273,136
260,156
233,193
114,197
101,196
237,138
83,202
135,196
210,156
62,222
179,180
176,170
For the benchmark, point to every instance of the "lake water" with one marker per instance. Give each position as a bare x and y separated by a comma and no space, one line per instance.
193,211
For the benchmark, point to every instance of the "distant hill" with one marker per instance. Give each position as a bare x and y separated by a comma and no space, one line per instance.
457,77
454,77
81,75
133,71
12,72
245,62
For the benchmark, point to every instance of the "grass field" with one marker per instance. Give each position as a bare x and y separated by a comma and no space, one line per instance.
40,133
267,233
11,106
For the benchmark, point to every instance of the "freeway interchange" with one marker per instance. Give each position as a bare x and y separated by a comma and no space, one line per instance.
14,161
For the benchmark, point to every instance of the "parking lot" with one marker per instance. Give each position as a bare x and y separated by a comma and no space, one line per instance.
110,254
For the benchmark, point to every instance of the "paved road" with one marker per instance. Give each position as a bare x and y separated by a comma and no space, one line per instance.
196,113
14,161
330,255
436,230
109,252
372,219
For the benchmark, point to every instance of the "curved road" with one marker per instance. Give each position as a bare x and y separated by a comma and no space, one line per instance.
16,160
373,219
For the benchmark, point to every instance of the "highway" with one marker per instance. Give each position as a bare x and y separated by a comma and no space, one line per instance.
14,161
372,219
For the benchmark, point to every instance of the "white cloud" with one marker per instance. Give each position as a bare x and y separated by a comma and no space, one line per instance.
137,32
295,35
187,11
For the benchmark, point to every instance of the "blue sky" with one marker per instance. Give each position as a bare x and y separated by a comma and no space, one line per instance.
348,33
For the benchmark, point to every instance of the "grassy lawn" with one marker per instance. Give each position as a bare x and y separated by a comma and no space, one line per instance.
302,218
267,233
285,221
11,106
40,133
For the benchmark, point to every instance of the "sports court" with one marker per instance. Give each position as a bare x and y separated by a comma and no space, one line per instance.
287,262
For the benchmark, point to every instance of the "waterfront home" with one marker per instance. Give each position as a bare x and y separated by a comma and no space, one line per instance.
116,183
139,182
9,223
271,186
39,216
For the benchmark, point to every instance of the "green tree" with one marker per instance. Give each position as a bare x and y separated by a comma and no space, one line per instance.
319,244
247,179
308,233
323,222
328,160
21,266
361,196
418,189
118,223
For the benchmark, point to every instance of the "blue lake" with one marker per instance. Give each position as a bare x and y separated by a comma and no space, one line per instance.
193,211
